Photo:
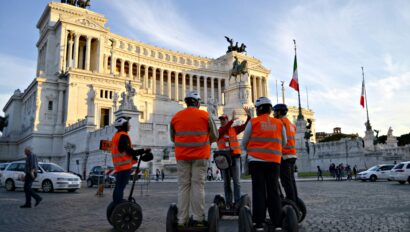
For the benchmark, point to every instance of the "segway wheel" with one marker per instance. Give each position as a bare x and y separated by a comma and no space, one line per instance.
289,219
110,209
302,208
292,204
245,223
172,220
219,201
245,200
127,217
213,218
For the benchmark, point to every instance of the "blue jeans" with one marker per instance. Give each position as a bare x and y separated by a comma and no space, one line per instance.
233,172
121,182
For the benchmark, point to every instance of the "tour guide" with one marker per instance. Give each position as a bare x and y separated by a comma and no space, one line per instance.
192,131
287,166
263,139
123,157
228,141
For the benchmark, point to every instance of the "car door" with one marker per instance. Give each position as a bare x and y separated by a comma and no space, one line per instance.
39,179
18,174
385,170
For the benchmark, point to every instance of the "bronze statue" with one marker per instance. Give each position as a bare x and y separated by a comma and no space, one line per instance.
235,48
238,68
80,3
230,41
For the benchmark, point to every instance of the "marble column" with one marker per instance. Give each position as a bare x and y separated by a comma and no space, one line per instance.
260,87
212,88
70,51
154,81
205,89
190,82
198,85
255,96
161,82
76,46
130,70
113,64
219,92
60,104
146,86
176,87
105,63
122,68
87,53
169,85
183,86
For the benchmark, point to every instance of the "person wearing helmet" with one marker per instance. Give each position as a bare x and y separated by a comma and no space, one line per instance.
289,156
123,156
192,131
263,139
228,141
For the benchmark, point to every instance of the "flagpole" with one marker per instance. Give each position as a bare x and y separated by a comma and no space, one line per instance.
307,97
300,116
283,92
277,94
365,97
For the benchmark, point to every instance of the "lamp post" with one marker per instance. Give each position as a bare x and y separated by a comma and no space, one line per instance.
69,147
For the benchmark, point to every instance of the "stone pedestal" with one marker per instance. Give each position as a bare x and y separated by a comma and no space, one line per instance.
134,132
369,140
391,141
238,95
300,135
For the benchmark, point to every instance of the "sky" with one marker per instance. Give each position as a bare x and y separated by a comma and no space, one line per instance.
334,40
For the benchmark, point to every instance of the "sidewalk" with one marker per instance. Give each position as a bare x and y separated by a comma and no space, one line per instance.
174,180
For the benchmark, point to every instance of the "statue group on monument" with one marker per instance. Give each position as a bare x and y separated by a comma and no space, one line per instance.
80,3
236,48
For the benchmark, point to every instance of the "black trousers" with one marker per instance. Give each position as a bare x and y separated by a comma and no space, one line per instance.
121,182
29,192
287,178
265,192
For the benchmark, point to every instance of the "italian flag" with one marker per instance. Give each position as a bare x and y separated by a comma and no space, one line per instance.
362,96
294,83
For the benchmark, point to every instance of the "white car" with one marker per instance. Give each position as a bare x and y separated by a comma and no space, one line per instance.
2,167
50,177
377,172
401,172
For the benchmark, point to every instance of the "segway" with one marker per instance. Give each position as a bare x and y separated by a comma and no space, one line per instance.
219,201
299,206
210,226
127,215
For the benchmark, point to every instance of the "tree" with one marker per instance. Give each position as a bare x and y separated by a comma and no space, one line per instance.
3,122
404,139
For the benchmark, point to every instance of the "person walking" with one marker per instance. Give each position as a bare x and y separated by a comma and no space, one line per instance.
289,154
162,175
192,131
319,173
228,142
123,156
30,171
263,139
157,173
355,172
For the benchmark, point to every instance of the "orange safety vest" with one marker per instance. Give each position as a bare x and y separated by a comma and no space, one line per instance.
191,127
289,150
265,142
122,161
230,142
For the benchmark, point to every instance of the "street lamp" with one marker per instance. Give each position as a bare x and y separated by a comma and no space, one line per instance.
69,147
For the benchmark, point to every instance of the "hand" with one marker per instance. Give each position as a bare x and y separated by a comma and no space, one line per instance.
146,150
233,115
248,111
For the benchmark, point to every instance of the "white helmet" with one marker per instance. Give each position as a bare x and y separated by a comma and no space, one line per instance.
262,101
194,95
119,122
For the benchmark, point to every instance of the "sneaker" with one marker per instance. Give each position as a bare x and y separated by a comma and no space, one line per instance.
198,223
38,202
181,225
25,206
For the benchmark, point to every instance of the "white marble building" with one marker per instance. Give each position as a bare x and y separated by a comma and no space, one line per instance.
81,74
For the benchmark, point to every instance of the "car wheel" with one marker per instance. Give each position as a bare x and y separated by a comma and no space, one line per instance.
47,186
89,183
402,182
408,179
363,180
71,190
10,185
373,178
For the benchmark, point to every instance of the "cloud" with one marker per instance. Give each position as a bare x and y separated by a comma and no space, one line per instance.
15,72
163,23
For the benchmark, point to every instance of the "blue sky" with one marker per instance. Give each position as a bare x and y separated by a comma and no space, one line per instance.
334,38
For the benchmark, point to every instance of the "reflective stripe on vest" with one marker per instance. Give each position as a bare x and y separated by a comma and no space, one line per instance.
191,140
234,144
265,142
121,160
289,150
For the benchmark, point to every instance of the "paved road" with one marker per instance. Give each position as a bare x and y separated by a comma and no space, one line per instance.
332,206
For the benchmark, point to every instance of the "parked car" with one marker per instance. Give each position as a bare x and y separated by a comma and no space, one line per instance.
401,172
377,172
50,177
2,167
98,175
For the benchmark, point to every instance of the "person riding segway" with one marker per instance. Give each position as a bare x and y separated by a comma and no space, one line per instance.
123,157
192,131
228,160
263,139
289,157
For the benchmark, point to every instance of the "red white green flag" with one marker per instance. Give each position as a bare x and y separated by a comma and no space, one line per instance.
294,83
363,95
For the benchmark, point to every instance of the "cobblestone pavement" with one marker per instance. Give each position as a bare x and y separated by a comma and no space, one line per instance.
332,206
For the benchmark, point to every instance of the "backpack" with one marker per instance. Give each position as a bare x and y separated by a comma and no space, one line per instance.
223,159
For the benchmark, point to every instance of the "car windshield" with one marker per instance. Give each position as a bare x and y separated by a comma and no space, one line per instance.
52,168
373,168
399,166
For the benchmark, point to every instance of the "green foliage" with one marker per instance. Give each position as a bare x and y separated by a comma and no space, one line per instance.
337,137
3,122
382,139
404,139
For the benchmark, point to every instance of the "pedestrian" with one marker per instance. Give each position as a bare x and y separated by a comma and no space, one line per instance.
289,154
229,143
348,172
263,139
210,174
192,131
157,173
30,171
218,175
355,171
319,173
162,175
123,157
